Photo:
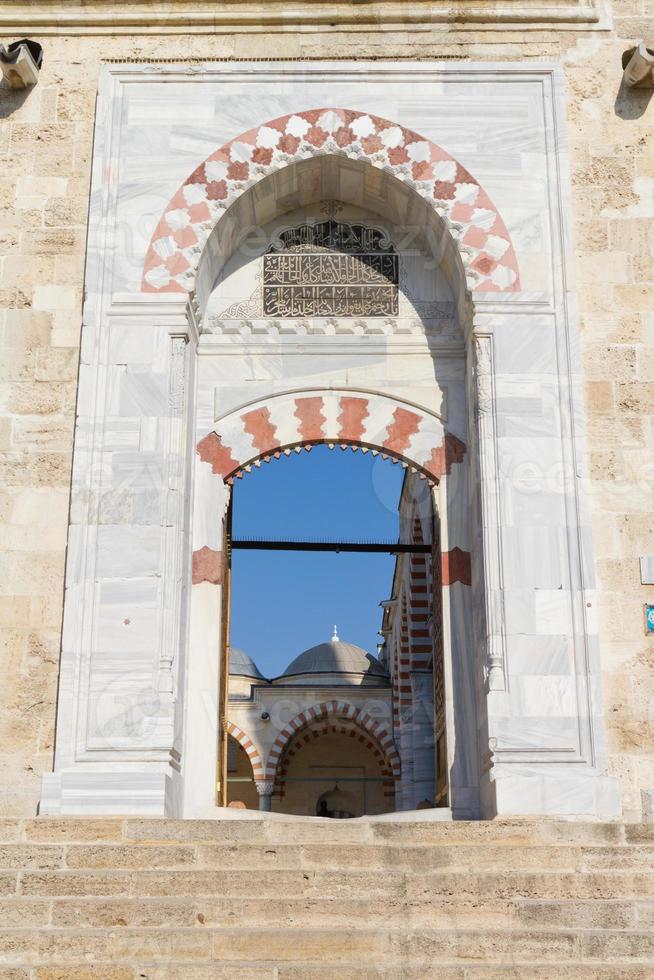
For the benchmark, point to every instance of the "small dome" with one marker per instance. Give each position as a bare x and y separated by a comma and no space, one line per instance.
241,665
336,657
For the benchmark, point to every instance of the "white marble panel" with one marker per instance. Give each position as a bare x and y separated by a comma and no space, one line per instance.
128,616
128,345
546,696
128,552
523,506
121,434
553,611
536,733
520,611
535,556
143,393
539,655
138,469
545,790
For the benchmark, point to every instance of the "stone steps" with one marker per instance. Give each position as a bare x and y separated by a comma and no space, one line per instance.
232,970
277,883
241,943
514,832
127,899
220,911
314,857
223,910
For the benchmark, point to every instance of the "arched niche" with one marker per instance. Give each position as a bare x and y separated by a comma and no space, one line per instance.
353,191
416,410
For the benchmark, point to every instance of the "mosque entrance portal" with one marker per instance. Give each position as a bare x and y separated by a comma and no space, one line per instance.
329,277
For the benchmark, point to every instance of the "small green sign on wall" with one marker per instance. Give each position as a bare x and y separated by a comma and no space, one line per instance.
649,619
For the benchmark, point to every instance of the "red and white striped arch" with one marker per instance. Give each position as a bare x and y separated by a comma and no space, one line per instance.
313,731
337,417
475,223
246,743
340,709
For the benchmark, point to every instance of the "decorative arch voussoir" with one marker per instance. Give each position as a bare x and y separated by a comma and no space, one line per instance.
294,421
246,743
326,709
475,223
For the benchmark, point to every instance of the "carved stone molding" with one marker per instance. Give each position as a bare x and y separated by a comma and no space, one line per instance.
123,17
174,515
495,666
441,322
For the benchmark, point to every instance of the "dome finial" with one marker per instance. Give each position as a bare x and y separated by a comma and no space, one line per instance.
335,638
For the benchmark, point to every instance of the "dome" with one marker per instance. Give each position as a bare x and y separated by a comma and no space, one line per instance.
241,665
336,657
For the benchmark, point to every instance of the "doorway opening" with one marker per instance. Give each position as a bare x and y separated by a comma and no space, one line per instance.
334,632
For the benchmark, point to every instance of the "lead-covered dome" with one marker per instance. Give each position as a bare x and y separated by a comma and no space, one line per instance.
242,665
345,662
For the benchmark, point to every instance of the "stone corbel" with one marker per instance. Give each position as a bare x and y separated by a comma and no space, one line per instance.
638,66
21,63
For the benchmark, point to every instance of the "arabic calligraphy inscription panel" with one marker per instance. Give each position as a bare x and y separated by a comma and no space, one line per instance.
331,268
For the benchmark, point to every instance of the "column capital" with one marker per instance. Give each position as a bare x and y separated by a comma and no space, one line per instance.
265,787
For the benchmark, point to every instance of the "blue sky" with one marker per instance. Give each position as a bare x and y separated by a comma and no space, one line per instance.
285,602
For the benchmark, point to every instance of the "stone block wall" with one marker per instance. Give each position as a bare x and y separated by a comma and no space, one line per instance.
45,151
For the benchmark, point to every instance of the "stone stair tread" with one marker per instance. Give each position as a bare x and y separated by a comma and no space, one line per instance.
257,900
408,858
518,832
353,970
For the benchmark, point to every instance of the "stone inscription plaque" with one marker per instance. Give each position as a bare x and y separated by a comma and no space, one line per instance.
319,270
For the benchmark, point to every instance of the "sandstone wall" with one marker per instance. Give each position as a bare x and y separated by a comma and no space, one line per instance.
45,151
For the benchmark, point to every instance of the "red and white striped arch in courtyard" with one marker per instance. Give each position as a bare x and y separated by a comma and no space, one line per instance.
338,709
475,223
247,744
316,730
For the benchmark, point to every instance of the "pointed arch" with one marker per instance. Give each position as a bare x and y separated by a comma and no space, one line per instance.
339,726
247,744
341,709
472,219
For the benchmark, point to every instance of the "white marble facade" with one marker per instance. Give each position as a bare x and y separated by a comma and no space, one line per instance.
483,353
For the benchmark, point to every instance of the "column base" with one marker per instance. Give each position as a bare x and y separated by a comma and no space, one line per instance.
550,791
130,792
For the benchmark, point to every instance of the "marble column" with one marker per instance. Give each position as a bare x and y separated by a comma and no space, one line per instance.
265,790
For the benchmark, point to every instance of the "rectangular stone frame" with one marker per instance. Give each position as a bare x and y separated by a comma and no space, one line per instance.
152,756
